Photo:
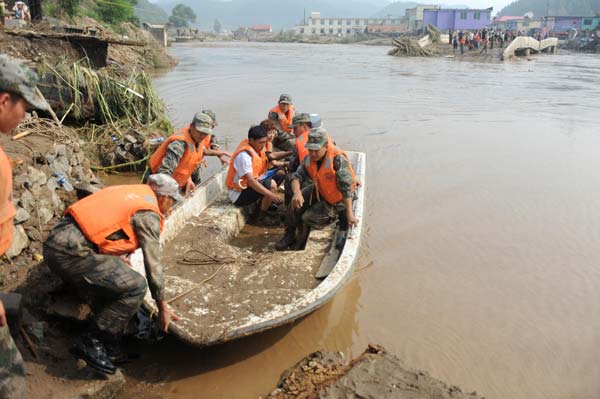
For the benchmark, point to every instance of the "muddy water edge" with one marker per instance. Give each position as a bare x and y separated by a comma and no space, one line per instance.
479,260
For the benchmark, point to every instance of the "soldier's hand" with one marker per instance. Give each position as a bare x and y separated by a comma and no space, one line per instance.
275,198
297,201
2,315
166,316
224,160
189,186
353,220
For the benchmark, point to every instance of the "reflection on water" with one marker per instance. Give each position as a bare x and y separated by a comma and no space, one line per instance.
482,239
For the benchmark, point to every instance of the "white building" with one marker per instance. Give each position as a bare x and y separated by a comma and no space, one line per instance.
315,25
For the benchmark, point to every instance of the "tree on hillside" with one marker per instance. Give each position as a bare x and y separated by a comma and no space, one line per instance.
69,6
117,11
181,16
217,26
553,7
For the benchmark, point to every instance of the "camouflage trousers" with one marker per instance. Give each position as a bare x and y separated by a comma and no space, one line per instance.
314,213
12,370
113,289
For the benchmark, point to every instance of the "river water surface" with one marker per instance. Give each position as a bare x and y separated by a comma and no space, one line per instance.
481,254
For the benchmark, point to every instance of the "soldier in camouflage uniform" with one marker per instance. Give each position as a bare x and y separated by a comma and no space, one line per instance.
177,148
17,94
283,140
308,207
115,291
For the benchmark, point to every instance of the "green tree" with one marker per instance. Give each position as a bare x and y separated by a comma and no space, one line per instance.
217,26
181,16
116,11
69,6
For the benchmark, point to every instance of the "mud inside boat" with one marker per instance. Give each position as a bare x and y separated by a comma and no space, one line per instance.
234,283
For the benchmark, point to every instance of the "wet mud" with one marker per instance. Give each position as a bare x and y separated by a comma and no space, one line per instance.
218,280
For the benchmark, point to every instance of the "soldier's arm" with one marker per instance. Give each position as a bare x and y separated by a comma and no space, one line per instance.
175,152
300,175
344,179
146,225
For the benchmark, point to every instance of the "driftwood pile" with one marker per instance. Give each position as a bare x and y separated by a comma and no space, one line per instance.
407,47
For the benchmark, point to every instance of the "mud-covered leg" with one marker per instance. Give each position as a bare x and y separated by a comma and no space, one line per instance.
12,370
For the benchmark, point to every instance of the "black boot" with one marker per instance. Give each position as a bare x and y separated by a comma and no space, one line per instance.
90,348
302,238
287,241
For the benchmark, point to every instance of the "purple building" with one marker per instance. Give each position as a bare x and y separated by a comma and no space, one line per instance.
458,19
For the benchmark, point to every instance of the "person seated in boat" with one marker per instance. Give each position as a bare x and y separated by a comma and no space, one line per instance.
318,204
301,125
282,114
246,177
89,248
181,155
277,162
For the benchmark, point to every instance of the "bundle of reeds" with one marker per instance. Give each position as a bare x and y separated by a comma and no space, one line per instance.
434,33
111,98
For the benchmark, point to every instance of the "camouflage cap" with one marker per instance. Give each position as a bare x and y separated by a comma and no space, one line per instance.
317,138
203,123
164,185
212,115
16,77
300,118
285,99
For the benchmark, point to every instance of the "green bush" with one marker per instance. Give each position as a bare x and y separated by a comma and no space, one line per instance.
116,11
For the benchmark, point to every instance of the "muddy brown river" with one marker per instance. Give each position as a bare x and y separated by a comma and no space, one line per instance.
480,261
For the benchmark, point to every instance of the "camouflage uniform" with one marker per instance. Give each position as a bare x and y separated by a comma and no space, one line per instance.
282,140
115,291
316,212
18,79
12,371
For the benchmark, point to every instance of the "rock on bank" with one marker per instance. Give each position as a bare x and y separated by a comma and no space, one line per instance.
375,374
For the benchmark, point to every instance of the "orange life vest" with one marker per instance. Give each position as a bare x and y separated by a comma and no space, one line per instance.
285,120
269,147
260,164
325,177
110,210
7,209
300,146
189,161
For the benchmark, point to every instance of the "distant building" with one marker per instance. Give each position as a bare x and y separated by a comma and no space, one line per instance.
391,29
457,19
415,16
315,25
519,24
158,31
261,28
567,24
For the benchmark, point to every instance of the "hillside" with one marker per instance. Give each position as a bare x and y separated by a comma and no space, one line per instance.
396,9
279,13
148,12
553,7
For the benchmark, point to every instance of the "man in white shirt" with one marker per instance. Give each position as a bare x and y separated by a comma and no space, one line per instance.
246,175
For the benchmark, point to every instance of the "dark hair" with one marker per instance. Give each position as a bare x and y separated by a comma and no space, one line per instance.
14,97
268,124
257,132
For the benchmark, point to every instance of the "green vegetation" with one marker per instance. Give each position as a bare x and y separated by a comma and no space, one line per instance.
217,26
181,16
116,11
579,8
151,13
69,6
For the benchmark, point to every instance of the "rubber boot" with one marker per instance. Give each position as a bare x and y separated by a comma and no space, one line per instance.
287,241
302,238
90,348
